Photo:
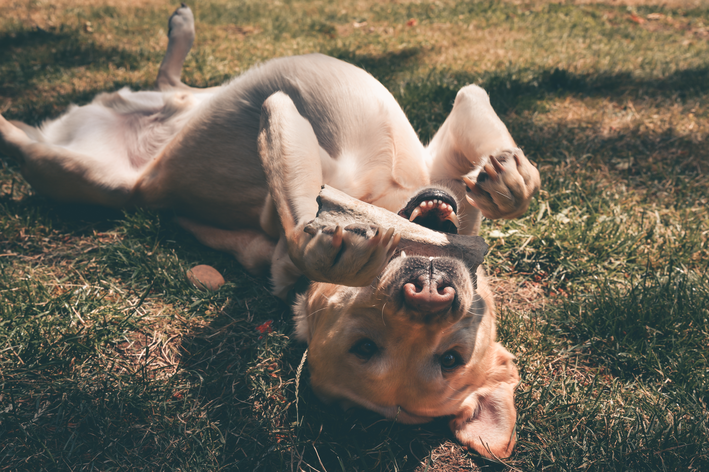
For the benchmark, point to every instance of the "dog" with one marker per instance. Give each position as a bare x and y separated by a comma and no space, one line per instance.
409,336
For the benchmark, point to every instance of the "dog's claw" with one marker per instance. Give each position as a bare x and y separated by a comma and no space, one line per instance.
496,164
352,255
469,183
394,244
490,170
374,240
517,160
395,240
337,237
388,235
472,186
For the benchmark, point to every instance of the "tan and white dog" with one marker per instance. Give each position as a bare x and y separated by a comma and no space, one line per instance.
406,335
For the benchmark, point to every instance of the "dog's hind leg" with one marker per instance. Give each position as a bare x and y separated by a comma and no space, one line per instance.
180,35
64,174
13,138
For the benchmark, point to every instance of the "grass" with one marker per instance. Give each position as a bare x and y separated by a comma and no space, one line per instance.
110,360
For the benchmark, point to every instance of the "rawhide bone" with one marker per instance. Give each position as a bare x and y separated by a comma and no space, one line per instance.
338,208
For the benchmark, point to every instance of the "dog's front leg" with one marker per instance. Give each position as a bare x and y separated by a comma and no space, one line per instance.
474,152
350,255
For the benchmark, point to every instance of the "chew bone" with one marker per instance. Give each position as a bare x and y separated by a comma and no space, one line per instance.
339,209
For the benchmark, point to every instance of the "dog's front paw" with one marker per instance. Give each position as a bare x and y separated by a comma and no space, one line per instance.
354,255
505,186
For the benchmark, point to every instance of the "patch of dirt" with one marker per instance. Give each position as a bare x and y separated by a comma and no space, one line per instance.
517,294
157,353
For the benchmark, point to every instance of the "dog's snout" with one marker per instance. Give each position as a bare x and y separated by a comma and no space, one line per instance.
429,294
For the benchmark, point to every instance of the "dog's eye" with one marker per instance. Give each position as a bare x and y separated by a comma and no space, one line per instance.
364,348
450,360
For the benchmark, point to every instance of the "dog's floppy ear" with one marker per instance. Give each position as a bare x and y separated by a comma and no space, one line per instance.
291,158
487,422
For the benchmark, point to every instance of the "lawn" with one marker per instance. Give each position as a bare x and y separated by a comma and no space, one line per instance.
110,360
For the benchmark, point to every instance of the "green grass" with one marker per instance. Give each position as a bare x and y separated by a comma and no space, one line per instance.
110,360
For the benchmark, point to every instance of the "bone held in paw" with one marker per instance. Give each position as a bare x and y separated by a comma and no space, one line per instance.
339,209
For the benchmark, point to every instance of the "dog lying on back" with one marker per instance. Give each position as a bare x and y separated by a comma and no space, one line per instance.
410,336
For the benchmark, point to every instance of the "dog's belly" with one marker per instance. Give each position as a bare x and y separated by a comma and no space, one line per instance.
211,171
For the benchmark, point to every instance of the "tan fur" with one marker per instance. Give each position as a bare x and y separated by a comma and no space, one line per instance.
243,163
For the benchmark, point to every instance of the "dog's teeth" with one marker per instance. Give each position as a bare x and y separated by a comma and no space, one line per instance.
414,214
454,218
403,254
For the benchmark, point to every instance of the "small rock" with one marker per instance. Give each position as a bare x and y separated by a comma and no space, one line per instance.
205,277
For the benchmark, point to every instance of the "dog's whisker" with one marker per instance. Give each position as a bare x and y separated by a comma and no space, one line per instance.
317,311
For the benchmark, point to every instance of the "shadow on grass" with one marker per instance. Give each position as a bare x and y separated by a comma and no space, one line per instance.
44,229
428,100
650,338
382,66
33,51
28,56
508,93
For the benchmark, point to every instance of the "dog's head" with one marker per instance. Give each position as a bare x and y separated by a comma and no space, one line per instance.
416,344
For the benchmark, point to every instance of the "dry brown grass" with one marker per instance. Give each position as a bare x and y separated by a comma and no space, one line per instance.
660,3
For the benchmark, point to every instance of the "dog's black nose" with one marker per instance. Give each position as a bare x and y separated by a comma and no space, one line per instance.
429,294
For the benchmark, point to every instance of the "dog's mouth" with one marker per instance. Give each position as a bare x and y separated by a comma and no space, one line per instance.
434,209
